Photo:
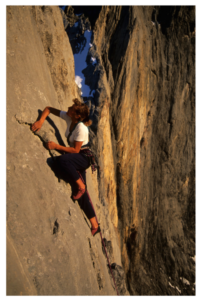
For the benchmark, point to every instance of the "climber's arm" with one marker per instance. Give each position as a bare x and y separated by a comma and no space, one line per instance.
38,124
76,149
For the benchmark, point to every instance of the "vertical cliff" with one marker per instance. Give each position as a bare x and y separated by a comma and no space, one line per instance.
50,249
148,57
143,133
146,98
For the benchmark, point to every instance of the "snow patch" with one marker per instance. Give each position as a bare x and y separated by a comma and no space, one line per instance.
94,61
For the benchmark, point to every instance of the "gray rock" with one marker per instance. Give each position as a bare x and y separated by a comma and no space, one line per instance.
148,54
48,249
143,134
65,20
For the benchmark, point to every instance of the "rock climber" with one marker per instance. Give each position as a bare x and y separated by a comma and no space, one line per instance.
78,156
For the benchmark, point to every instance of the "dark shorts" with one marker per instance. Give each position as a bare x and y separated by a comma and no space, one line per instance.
71,164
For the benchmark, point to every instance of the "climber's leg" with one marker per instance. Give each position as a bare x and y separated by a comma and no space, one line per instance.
69,164
88,209
84,201
72,164
94,223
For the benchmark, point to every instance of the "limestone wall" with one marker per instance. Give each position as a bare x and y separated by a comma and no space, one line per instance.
50,249
144,137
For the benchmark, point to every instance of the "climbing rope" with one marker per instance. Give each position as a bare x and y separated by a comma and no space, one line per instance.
101,237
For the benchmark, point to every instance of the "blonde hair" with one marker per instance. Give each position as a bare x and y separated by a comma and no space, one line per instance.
82,110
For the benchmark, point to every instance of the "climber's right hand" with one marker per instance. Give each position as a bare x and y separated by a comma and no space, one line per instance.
36,126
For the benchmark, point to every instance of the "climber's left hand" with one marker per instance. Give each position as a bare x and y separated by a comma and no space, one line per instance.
51,145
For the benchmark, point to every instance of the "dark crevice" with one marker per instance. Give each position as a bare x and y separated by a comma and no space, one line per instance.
141,142
170,117
153,17
56,227
91,12
114,127
119,198
89,241
165,16
43,8
119,42
172,18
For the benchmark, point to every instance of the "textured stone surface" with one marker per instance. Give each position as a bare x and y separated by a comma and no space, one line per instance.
144,136
50,249
148,58
146,100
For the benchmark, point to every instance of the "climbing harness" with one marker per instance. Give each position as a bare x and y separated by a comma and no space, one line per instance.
91,157
101,236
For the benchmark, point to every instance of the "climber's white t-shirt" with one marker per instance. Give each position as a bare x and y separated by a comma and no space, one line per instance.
79,134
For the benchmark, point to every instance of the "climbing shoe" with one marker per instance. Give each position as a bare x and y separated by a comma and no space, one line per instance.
94,231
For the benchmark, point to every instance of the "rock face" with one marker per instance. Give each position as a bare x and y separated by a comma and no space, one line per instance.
50,249
143,133
148,57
